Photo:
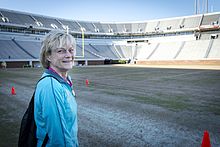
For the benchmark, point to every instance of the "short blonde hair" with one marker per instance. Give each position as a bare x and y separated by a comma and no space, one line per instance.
54,39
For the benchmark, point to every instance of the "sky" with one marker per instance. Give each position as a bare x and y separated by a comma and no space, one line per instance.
111,10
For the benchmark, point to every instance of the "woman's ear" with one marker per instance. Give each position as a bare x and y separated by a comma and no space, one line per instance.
49,58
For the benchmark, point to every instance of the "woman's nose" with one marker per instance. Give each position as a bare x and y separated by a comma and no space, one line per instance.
69,54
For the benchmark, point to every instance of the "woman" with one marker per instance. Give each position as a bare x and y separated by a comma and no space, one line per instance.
55,108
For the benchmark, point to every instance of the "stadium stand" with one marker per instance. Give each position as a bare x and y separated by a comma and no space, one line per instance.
214,52
17,18
185,38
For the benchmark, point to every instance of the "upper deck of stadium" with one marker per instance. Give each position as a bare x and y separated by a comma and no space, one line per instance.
192,37
178,24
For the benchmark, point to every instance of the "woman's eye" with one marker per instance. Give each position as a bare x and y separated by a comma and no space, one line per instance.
61,51
71,50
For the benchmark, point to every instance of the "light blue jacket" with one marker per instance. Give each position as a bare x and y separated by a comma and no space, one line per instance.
55,112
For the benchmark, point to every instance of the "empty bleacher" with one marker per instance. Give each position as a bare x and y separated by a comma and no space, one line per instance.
89,27
17,18
72,25
47,22
113,27
194,50
98,27
32,47
145,50
88,53
10,50
171,24
166,51
151,26
192,22
124,51
215,50
106,51
211,19
181,38
123,27
138,27
106,28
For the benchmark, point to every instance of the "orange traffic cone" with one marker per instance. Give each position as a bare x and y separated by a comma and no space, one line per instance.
206,140
87,82
13,91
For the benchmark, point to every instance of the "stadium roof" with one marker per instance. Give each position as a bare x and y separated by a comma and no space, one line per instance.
112,10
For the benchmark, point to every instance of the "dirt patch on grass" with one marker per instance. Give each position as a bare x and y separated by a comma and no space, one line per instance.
125,106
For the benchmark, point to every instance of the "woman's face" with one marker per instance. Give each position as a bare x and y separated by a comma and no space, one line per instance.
61,59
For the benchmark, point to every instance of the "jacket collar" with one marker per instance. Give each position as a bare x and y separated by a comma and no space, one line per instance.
58,77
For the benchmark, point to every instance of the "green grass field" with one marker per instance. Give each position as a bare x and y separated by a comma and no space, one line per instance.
175,89
188,98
